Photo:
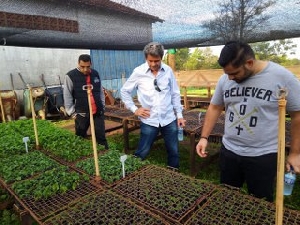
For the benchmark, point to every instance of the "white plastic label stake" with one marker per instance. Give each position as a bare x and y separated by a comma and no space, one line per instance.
25,140
123,159
199,118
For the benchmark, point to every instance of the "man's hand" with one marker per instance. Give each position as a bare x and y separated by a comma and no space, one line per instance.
293,159
181,122
142,112
73,116
201,148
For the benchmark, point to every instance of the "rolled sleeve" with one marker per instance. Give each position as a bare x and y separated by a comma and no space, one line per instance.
68,97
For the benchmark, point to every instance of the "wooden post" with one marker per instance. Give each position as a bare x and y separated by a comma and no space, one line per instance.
171,59
209,91
33,117
280,156
88,88
185,99
192,154
125,135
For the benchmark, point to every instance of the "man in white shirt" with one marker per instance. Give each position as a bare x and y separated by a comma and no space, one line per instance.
159,96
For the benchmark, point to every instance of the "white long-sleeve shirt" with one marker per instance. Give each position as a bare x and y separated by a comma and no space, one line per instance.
165,106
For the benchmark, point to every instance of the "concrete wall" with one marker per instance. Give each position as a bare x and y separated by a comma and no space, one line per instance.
32,62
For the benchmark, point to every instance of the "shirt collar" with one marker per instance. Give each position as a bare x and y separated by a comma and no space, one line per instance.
162,67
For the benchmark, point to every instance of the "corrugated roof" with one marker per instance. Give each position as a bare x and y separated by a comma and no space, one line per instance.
130,24
117,7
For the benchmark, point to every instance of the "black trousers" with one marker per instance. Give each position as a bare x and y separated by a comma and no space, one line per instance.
258,172
82,124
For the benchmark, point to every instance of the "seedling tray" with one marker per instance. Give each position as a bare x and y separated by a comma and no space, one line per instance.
230,206
165,192
105,207
43,208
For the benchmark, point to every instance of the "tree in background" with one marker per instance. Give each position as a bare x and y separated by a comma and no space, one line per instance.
181,57
202,59
238,19
276,51
196,58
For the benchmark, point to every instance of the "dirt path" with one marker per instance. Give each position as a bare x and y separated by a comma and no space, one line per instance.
111,127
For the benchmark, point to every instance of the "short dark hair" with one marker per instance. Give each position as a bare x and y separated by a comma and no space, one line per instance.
236,53
155,49
85,58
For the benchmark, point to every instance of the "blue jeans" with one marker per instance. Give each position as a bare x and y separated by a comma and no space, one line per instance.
148,136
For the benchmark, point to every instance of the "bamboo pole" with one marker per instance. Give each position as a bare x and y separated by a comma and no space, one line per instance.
280,157
33,117
2,109
88,88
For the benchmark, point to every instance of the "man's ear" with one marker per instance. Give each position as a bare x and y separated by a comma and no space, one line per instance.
249,64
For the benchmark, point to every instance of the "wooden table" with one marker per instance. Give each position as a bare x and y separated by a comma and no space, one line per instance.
193,127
